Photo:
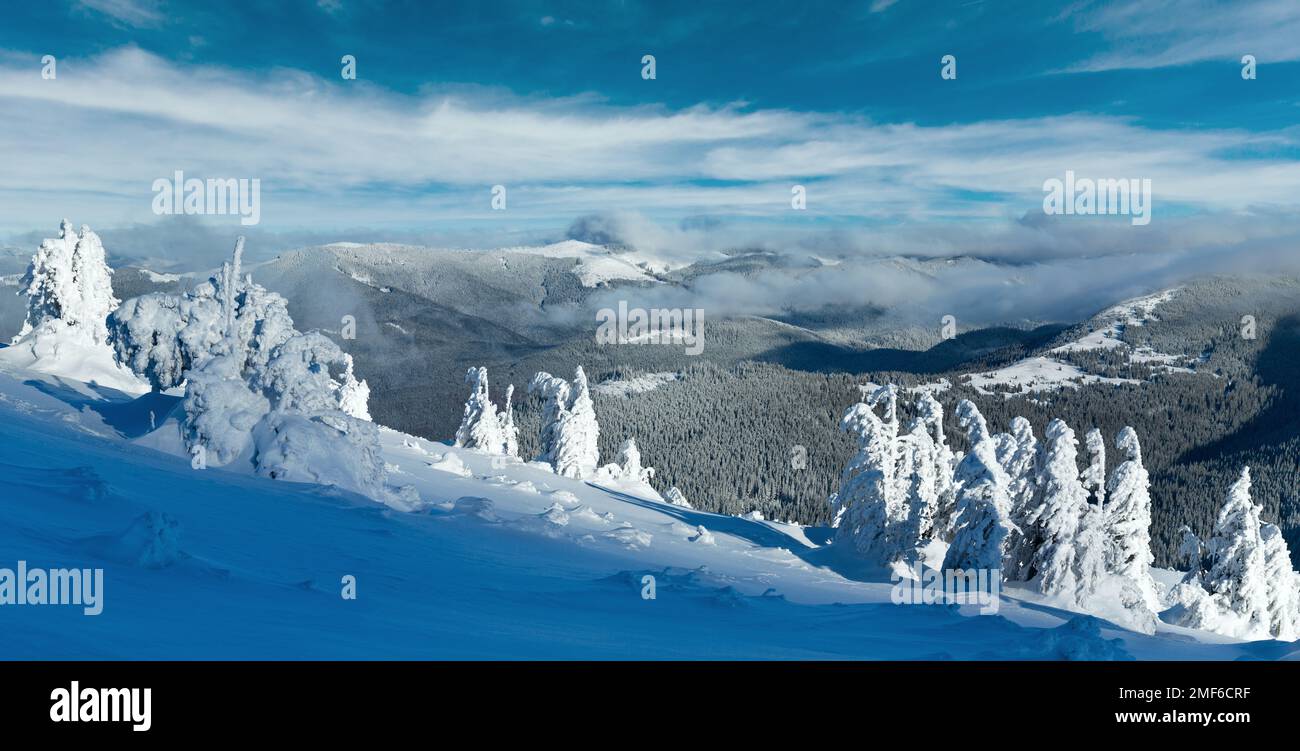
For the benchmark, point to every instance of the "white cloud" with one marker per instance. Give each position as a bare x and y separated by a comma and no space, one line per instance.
347,153
137,13
1162,33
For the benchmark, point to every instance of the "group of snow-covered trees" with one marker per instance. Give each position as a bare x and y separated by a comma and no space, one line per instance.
254,385
1241,583
1020,506
569,435
482,428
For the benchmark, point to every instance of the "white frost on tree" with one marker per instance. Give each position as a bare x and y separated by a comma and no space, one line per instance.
1238,575
1283,585
69,291
480,428
1190,550
1249,590
922,486
1021,466
69,285
509,431
629,458
577,433
867,500
570,434
1128,520
555,394
677,498
254,386
1064,503
930,410
1094,476
628,466
354,395
982,523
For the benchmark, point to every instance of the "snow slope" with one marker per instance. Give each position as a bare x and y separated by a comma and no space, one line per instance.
504,560
596,263
1047,373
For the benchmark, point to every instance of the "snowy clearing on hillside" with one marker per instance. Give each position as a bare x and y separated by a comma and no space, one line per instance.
1046,373
157,278
638,385
1036,374
1112,323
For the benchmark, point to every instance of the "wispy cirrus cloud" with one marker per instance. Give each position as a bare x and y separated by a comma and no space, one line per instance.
1164,33
131,13
349,153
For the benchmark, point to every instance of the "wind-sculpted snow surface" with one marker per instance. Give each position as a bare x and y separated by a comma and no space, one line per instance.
508,561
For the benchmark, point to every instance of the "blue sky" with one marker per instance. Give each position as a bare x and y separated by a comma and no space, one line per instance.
750,98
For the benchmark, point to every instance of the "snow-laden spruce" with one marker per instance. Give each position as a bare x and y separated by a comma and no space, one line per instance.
1094,476
1128,520
480,428
930,411
676,497
570,434
256,389
69,285
1022,467
1249,589
982,521
1060,517
918,466
69,291
869,502
628,466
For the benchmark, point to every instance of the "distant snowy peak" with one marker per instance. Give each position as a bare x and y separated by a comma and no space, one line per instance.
598,264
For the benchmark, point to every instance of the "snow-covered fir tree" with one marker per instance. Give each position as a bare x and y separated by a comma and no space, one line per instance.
982,522
677,498
867,499
1190,550
1128,519
627,468
480,428
354,394
1283,585
69,286
1094,476
509,431
920,470
577,452
570,433
1064,503
930,411
1022,468
1238,575
555,394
